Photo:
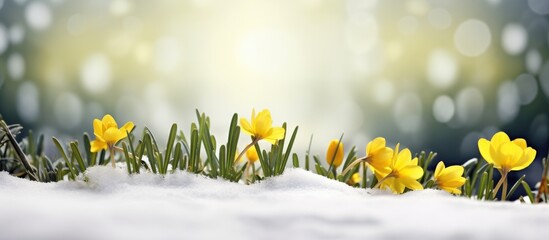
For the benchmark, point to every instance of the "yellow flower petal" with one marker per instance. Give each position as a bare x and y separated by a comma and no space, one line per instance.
108,122
452,172
411,183
128,127
276,133
452,190
251,154
262,124
484,148
335,152
403,159
528,156
246,127
374,146
499,138
112,135
98,129
510,155
395,185
438,169
411,171
97,145
520,142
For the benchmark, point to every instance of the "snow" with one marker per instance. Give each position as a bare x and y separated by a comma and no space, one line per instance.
109,204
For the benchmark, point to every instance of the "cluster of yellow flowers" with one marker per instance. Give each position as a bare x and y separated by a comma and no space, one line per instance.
394,169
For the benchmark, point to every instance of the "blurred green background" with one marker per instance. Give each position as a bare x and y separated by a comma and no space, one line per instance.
433,75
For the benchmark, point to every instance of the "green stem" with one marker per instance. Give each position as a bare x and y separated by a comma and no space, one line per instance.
364,174
111,151
351,165
244,151
504,191
502,180
383,180
253,173
119,149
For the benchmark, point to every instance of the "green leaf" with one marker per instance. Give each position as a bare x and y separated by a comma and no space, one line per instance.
72,171
129,161
308,153
78,156
528,191
515,186
350,157
90,157
482,185
469,166
295,160
150,151
177,156
288,151
135,159
209,144
169,147
263,159
40,145
490,195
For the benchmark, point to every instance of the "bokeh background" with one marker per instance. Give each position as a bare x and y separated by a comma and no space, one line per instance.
433,75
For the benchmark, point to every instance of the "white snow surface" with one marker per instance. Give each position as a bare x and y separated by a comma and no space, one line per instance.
296,205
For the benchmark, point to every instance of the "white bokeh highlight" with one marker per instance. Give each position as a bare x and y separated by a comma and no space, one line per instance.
442,69
407,113
443,109
472,37
16,33
514,38
508,101
28,102
3,39
38,15
527,87
95,73
533,61
469,105
16,66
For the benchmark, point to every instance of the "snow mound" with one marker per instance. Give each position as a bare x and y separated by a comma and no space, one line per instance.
108,203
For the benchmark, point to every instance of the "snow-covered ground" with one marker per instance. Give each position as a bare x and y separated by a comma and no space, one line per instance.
297,205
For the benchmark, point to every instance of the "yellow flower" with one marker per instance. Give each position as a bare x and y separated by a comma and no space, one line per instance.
251,154
261,127
505,154
107,133
449,178
378,155
404,172
335,153
355,178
